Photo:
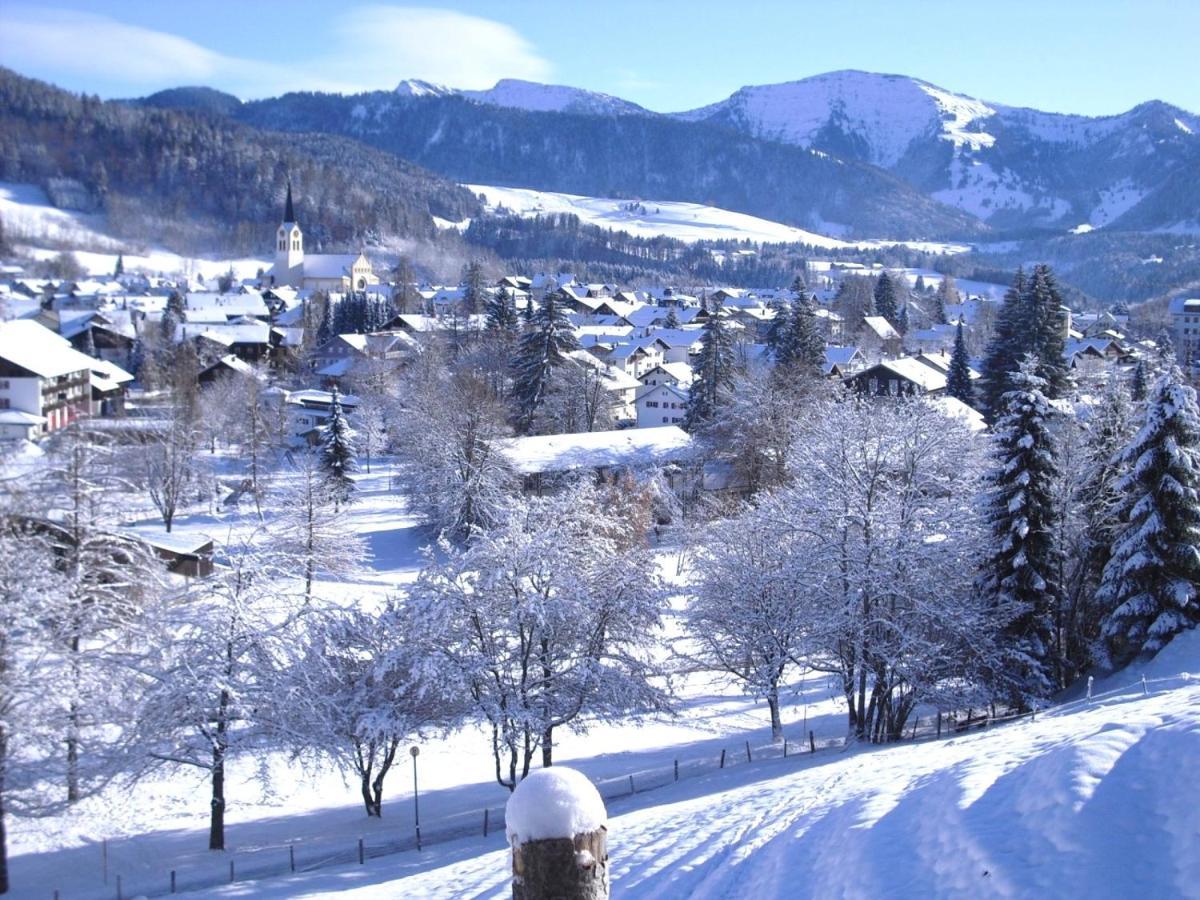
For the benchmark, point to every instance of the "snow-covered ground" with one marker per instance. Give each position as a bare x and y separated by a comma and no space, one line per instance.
41,230
682,221
1094,799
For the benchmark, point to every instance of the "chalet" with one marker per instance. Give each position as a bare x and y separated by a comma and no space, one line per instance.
308,411
907,376
841,361
42,376
879,338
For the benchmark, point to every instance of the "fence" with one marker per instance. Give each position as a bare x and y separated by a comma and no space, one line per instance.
122,879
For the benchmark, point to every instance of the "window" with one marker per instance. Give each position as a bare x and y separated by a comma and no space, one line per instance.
665,419
652,403
4,385
3,403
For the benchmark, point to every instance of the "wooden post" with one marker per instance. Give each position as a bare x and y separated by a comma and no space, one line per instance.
485,822
361,857
676,770
172,881
939,734
292,856
231,871
812,743
120,896
104,858
722,758
631,788
749,758
558,868
1145,690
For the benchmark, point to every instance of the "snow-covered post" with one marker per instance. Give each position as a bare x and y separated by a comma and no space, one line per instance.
557,827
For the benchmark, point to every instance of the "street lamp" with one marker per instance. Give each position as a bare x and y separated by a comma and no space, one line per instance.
416,751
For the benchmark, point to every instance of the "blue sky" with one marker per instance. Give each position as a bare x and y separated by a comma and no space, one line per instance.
1092,57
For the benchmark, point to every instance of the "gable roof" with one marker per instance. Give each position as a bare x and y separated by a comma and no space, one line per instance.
596,449
25,343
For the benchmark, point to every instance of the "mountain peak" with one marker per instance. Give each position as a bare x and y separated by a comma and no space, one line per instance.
416,87
535,97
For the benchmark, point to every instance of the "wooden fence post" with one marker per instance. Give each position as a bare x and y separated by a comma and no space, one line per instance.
172,881
292,856
361,856
722,757
485,823
939,733
676,770
231,871
749,758
631,787
812,743
546,863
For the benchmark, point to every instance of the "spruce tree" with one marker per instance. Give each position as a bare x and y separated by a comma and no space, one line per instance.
710,390
802,347
672,319
1019,576
887,299
902,324
1138,386
172,317
1005,350
799,286
1151,584
1045,333
947,295
474,289
958,379
325,331
541,349
501,313
338,457
778,330
120,268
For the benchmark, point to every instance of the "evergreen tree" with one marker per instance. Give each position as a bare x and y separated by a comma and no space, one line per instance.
802,347
529,310
120,269
338,457
947,295
902,325
1165,349
172,317
919,286
887,302
1044,332
958,379
501,313
1005,350
1151,584
474,289
1138,387
543,348
779,329
672,319
1019,577
325,331
799,285
714,374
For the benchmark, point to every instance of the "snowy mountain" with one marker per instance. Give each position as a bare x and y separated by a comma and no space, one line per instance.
529,95
1012,167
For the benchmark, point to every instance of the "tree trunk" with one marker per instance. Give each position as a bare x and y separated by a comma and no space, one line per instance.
370,800
216,831
776,722
73,726
3,834
548,747
562,868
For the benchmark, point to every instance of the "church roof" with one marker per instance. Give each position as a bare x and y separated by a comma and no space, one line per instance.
289,215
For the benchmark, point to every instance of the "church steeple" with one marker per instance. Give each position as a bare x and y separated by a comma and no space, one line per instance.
289,247
289,215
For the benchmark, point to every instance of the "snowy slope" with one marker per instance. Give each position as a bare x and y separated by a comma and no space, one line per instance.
529,95
1098,800
886,113
671,218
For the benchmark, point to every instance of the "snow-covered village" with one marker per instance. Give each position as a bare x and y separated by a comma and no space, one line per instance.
387,512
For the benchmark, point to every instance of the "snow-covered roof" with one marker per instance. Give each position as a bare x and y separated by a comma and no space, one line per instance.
314,398
328,265
108,376
882,327
36,348
924,376
839,357
596,449
954,408
681,372
19,417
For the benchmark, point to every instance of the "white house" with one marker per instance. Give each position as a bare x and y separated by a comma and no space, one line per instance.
1185,321
42,376
661,404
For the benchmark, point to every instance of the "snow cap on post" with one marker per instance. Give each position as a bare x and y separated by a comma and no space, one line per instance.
556,802
555,821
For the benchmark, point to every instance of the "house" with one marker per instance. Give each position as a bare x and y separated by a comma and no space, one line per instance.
635,358
661,404
246,338
620,387
308,411
42,376
879,338
676,373
605,453
347,354
907,376
319,271
841,361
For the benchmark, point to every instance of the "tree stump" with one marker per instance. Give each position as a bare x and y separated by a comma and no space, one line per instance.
562,868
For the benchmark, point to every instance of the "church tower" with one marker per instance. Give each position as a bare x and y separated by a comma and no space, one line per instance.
289,247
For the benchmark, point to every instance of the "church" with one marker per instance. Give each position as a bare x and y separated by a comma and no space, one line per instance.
335,272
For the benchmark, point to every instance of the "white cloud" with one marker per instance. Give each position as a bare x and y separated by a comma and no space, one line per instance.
372,47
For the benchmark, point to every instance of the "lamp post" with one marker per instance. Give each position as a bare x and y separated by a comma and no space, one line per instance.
416,751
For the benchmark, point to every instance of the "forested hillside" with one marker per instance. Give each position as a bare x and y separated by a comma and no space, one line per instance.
201,183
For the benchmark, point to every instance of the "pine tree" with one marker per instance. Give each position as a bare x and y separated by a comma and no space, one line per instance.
1019,577
338,457
120,269
1045,333
1166,348
474,293
887,303
501,313
1151,584
672,319
325,331
1138,387
172,317
714,374
947,295
541,350
902,325
779,329
799,285
958,379
1005,350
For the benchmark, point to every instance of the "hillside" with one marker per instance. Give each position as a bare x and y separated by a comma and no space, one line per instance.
1097,799
626,156
198,182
